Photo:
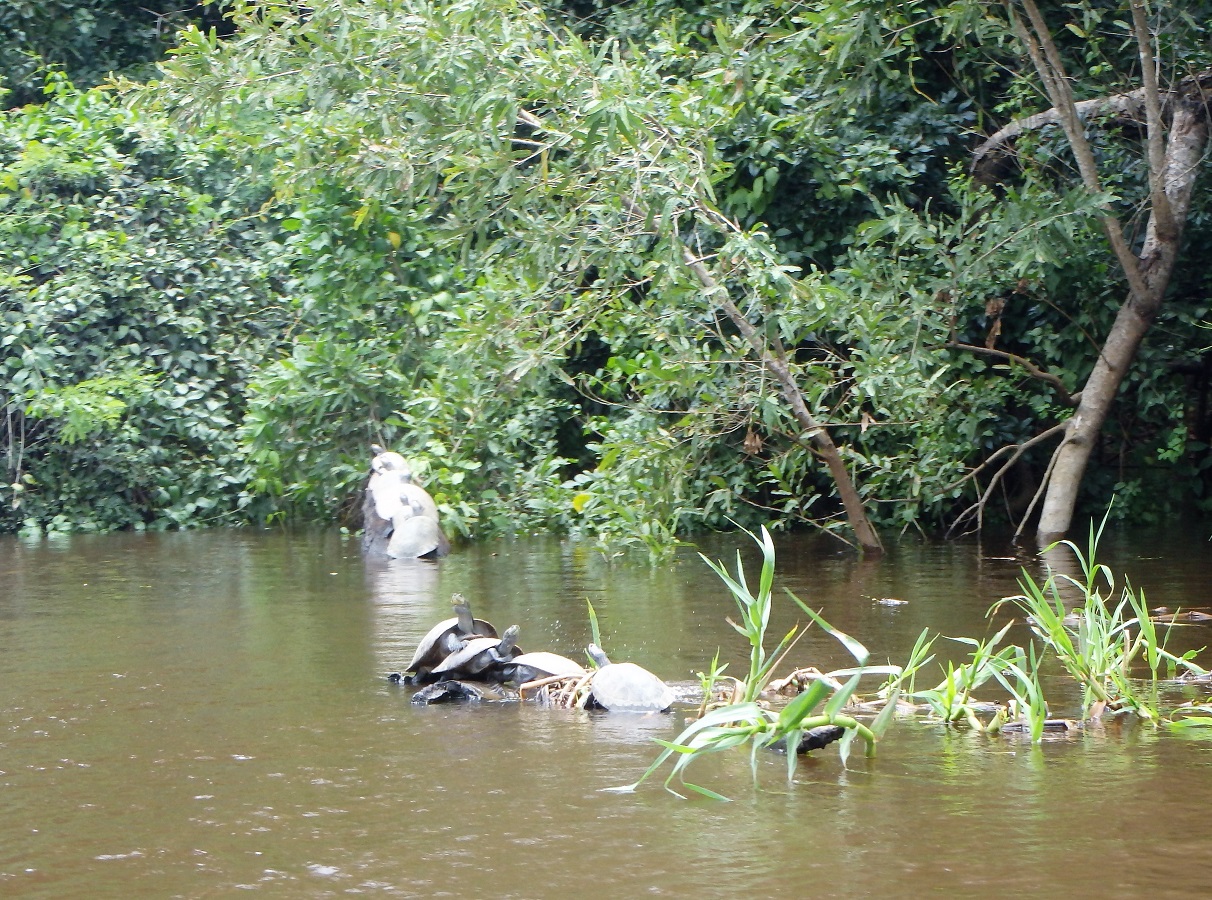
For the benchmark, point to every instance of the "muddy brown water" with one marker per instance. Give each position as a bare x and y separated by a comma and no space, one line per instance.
207,714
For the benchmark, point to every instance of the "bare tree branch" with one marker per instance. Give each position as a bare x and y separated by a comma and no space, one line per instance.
1047,61
1032,369
1016,451
1153,117
1130,107
817,433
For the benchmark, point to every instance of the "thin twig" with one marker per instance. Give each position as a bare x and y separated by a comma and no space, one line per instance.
1033,370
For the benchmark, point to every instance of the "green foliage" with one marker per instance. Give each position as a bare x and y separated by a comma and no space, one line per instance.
656,436
482,259
141,293
1100,644
754,610
87,407
747,721
87,39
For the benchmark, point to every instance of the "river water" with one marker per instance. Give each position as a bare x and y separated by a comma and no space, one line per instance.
204,714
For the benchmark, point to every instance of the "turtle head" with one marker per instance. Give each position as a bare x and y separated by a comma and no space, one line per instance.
386,461
598,655
509,639
467,624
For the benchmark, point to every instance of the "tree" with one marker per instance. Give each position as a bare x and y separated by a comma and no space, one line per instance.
661,243
1174,107
575,179
1175,155
139,290
88,40
1132,144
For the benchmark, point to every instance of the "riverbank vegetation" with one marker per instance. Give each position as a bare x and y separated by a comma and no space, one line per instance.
619,271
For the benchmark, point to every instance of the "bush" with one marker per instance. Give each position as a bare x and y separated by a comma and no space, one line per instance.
140,290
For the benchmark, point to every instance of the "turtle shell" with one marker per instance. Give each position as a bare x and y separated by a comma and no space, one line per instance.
442,640
626,687
478,654
541,664
460,692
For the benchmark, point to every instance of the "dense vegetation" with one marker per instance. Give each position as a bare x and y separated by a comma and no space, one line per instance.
627,270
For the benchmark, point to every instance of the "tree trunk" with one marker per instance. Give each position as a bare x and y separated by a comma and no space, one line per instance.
777,364
1187,141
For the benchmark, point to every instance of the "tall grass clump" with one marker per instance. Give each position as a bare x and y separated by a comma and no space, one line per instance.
1107,640
746,721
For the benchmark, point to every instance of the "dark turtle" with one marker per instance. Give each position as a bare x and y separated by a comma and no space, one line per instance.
479,655
626,687
819,737
533,666
447,637
813,739
461,692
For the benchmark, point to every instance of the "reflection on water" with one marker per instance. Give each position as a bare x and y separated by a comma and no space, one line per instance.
197,714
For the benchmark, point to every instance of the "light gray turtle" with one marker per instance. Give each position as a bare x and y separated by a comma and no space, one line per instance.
445,638
541,664
626,687
479,656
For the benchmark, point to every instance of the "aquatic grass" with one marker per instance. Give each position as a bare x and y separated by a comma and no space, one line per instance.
594,630
952,699
905,681
749,722
1101,645
754,610
1101,642
1028,704
1191,718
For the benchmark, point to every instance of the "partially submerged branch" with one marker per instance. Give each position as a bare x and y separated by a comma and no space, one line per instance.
1015,451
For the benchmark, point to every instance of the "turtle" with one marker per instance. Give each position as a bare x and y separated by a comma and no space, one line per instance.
415,537
626,687
445,638
479,656
533,666
812,739
821,736
451,691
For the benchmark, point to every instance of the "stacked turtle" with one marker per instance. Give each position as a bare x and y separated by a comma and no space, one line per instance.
461,653
461,646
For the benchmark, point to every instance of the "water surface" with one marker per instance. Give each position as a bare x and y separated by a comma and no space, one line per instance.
199,714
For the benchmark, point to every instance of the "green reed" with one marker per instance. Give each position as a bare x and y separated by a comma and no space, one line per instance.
747,721
1105,640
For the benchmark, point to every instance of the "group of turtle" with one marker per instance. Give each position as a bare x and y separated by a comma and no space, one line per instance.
464,658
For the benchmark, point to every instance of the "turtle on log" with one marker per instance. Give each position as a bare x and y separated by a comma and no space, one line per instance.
626,687
447,637
542,664
480,658
452,691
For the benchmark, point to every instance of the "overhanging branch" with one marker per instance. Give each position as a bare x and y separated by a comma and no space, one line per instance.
1128,107
1031,368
